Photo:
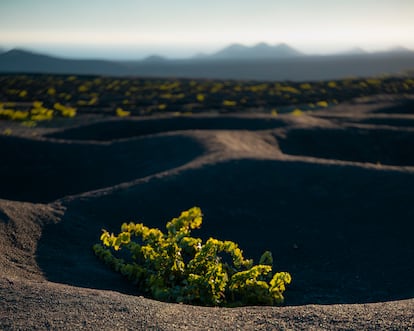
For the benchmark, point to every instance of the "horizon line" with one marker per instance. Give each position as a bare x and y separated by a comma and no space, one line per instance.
53,51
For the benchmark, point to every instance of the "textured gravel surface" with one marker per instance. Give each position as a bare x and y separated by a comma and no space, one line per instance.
329,194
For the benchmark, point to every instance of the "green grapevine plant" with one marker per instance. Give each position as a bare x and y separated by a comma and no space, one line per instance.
176,267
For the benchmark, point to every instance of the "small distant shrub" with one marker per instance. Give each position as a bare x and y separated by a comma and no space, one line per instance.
297,112
23,94
7,132
176,267
65,111
51,91
200,97
229,103
29,124
322,104
122,113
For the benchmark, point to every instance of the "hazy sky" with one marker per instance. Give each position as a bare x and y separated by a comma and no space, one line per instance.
179,28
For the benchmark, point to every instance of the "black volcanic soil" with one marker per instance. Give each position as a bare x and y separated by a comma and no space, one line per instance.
330,194
43,170
392,146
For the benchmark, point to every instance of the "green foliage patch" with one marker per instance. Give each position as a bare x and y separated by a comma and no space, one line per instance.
176,267
69,96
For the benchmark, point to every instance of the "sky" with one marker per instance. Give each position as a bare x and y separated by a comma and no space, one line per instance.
133,29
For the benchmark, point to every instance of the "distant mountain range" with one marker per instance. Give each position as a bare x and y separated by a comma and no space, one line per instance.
22,61
258,62
259,51
282,51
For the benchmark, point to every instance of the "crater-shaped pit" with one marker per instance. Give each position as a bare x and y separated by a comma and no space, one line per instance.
389,121
43,171
388,147
343,232
126,128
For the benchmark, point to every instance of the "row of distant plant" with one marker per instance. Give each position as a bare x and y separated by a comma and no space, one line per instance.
33,98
